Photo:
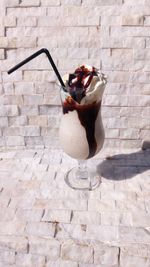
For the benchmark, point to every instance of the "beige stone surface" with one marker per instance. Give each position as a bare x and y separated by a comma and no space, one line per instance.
132,20
106,255
43,222
77,252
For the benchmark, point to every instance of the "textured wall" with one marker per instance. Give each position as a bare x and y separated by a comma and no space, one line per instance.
113,35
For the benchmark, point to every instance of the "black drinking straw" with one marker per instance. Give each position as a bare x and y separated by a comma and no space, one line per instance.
43,50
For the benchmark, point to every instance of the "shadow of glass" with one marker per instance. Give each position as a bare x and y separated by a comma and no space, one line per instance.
125,166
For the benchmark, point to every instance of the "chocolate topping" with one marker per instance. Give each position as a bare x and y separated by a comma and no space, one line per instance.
77,82
87,115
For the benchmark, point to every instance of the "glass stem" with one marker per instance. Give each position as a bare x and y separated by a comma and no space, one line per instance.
82,172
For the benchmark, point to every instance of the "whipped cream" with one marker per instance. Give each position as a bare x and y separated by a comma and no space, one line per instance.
88,81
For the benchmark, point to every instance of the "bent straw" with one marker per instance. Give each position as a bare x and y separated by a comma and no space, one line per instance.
43,50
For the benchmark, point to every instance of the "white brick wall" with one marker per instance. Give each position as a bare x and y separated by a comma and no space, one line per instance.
112,35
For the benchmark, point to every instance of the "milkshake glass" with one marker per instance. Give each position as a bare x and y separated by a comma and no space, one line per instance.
81,134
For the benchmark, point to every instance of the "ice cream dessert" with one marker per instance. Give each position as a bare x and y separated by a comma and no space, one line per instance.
81,129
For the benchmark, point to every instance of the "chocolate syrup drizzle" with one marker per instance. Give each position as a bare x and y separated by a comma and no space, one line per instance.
76,83
87,115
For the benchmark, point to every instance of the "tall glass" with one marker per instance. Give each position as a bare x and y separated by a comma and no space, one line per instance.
81,136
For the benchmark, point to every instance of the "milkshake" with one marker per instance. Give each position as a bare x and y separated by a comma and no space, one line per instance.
81,131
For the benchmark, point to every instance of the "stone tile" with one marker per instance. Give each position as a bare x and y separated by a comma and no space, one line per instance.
67,231
70,203
25,260
86,217
116,218
102,233
13,243
133,20
7,257
57,216
37,167
141,219
138,250
12,228
7,214
133,235
29,215
133,261
25,202
29,154
40,229
100,205
7,154
131,206
106,255
77,252
52,157
45,176
12,141
44,246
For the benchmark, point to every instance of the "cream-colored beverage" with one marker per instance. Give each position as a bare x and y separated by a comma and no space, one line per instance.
81,131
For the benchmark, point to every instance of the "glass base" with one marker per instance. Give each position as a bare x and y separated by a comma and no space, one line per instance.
82,180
